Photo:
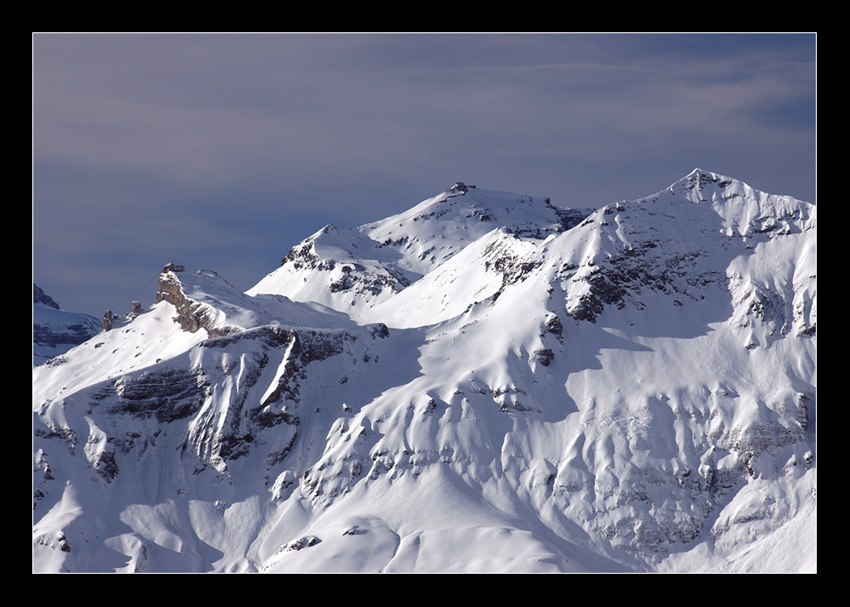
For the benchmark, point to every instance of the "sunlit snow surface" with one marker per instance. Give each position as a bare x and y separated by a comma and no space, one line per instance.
484,383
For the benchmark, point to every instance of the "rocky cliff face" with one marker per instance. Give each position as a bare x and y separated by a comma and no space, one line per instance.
191,315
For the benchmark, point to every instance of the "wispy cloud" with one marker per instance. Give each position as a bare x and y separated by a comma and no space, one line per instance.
147,137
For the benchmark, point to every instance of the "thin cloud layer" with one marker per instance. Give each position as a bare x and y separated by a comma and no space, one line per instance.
149,147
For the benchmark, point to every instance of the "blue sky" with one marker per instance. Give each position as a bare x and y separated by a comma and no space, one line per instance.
222,151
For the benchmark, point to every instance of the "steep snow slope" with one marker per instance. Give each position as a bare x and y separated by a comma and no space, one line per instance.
636,392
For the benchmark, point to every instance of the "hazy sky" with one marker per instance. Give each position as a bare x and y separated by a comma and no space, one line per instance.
222,151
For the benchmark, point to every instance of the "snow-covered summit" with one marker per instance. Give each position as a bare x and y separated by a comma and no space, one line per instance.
485,382
745,210
355,269
437,228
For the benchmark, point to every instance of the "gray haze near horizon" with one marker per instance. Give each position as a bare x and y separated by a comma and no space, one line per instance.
223,151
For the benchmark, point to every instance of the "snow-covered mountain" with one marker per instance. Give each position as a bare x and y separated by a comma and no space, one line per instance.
357,269
483,383
54,330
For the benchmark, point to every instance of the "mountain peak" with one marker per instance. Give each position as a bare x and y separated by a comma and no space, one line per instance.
698,179
40,297
698,173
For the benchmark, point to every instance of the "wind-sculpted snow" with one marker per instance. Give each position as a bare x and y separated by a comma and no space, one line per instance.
482,383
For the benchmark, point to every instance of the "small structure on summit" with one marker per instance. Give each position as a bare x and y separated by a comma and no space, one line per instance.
461,187
109,318
171,267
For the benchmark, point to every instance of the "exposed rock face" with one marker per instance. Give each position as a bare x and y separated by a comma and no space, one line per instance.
166,394
191,315
341,274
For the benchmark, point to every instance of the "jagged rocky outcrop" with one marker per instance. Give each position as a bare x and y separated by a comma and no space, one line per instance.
191,315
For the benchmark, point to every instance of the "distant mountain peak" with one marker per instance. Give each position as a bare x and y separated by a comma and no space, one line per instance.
40,297
55,331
